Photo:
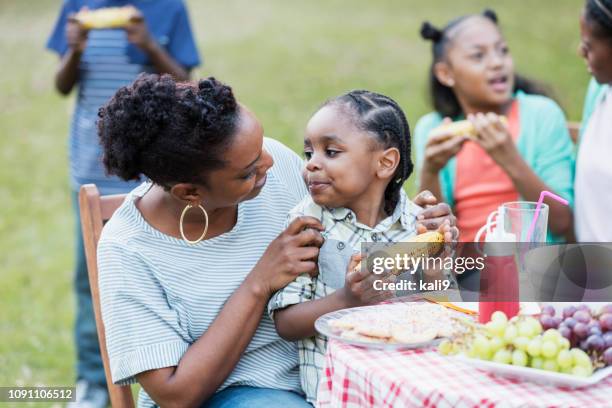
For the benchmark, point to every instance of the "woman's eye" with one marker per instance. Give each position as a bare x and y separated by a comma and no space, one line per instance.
308,155
249,175
331,153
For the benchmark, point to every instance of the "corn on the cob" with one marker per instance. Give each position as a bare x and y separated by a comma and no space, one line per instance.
109,17
460,128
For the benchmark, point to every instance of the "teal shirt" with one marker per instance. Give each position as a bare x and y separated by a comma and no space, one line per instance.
594,94
544,143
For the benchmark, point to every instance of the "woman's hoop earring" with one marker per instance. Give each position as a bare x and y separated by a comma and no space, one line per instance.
187,208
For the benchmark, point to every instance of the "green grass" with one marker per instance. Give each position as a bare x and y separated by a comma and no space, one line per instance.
283,59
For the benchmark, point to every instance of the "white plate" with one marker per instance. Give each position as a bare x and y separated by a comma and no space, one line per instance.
323,327
535,375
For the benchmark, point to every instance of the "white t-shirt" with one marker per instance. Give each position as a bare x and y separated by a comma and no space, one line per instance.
593,186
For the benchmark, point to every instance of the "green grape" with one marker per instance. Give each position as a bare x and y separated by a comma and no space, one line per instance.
496,343
496,327
550,365
581,371
549,349
581,358
519,358
534,348
521,343
567,370
482,348
499,316
551,335
502,356
565,359
564,344
536,327
525,329
537,362
445,347
472,352
510,334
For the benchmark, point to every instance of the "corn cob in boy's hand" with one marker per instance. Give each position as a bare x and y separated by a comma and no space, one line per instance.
109,17
460,128
429,243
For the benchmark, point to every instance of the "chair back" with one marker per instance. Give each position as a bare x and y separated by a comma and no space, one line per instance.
95,211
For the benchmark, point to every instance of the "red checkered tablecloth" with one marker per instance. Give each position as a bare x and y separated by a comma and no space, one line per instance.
359,377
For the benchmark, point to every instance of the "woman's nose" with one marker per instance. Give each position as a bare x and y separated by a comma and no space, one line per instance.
266,161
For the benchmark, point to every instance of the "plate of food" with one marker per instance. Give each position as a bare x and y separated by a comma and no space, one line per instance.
398,325
572,348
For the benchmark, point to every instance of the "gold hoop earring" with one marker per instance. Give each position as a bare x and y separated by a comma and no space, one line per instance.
187,208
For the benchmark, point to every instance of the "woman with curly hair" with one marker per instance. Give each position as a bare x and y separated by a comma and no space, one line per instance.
190,259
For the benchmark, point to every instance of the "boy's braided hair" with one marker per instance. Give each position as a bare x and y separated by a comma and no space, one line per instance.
383,117
600,12
170,132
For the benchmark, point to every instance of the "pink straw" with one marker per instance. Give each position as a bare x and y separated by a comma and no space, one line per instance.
539,208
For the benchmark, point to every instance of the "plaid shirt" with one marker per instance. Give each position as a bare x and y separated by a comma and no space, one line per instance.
343,236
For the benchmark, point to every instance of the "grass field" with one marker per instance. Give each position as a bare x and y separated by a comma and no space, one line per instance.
283,59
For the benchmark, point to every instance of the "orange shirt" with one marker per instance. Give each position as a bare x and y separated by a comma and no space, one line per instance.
481,185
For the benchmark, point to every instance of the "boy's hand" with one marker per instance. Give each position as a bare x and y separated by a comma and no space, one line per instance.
76,35
138,33
358,287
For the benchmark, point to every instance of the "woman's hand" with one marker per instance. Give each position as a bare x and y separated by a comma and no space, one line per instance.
440,149
358,287
495,138
292,253
434,216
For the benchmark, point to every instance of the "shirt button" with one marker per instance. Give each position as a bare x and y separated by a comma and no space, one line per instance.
374,237
340,245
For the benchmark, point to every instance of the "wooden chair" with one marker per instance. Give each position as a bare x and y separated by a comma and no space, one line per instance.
95,210
574,131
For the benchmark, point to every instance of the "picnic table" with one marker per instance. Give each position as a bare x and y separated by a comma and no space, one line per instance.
362,377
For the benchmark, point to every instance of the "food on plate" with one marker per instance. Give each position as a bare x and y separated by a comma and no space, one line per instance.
460,128
537,343
108,17
405,323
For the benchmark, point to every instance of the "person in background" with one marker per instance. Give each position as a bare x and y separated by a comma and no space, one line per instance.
99,62
593,167
472,76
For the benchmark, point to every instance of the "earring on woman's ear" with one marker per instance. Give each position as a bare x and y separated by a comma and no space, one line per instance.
450,83
187,208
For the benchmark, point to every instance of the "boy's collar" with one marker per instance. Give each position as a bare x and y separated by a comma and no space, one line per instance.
401,213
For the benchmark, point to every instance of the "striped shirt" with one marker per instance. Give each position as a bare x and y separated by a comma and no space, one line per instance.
343,236
160,294
104,68
108,63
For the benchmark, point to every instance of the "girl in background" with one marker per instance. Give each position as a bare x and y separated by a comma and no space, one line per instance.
472,76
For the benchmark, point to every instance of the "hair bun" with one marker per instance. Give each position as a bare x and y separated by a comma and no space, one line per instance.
490,14
429,32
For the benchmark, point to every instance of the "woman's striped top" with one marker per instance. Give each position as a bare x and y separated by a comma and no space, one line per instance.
160,294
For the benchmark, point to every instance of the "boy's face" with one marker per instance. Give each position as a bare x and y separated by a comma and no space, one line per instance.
342,161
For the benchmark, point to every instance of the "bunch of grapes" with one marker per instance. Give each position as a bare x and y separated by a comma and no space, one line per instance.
584,329
521,341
